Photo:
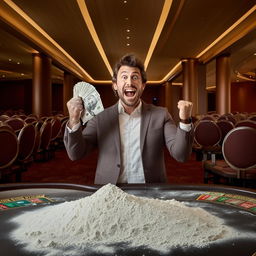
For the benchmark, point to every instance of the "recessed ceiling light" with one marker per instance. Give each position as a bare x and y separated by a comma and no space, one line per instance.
127,30
254,53
18,63
127,44
126,18
10,59
125,2
3,75
128,37
22,74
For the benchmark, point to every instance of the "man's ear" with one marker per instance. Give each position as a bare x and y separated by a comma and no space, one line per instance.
114,86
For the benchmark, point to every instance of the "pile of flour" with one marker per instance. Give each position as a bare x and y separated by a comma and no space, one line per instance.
111,216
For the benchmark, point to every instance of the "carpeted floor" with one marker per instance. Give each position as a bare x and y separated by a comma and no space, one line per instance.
61,169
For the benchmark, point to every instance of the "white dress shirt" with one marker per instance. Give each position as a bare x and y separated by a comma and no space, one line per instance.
131,167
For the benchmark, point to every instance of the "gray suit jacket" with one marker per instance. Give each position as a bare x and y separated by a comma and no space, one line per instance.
102,132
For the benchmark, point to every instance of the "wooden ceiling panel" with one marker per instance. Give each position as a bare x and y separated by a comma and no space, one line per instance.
112,18
63,21
199,23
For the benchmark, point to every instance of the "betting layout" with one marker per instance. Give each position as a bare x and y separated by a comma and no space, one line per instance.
22,201
242,202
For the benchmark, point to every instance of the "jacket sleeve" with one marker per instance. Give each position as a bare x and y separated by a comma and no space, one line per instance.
178,141
81,142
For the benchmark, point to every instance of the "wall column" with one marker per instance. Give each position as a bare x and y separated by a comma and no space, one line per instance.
223,85
68,85
41,85
190,82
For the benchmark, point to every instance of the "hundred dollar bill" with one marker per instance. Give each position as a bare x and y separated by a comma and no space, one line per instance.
91,99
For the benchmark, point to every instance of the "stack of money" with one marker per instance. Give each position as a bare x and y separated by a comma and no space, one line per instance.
91,99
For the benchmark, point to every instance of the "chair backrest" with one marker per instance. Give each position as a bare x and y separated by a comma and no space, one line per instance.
207,133
253,118
26,138
56,128
247,123
239,148
16,123
10,147
45,135
225,126
30,119
208,117
4,117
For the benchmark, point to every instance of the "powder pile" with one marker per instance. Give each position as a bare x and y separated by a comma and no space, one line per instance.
111,216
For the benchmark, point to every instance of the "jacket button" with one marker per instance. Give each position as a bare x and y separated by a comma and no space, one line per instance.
118,165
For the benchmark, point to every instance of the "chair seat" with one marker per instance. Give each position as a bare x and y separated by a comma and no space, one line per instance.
221,168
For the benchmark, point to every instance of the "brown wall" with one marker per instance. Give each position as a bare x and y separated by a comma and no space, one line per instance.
243,97
17,95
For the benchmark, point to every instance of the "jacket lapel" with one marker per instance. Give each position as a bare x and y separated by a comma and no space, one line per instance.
145,118
114,122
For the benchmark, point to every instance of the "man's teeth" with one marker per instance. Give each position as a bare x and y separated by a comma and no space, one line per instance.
129,92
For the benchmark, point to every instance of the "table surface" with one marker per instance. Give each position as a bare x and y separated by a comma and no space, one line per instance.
239,218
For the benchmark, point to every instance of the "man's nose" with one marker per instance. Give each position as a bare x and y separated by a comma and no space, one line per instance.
129,80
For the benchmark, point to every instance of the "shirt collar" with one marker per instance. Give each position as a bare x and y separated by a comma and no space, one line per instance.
121,110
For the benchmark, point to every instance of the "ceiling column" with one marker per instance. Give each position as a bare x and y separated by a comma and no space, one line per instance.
223,84
68,85
41,85
172,96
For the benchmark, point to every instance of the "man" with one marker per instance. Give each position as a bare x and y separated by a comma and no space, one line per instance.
130,135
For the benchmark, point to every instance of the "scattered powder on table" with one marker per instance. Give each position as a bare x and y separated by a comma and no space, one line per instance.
111,216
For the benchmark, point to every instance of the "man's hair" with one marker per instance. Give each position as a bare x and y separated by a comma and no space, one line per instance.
131,61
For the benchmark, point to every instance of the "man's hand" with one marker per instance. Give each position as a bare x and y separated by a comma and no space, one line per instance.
185,110
75,109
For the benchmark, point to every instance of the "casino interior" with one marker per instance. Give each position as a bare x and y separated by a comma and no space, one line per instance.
203,51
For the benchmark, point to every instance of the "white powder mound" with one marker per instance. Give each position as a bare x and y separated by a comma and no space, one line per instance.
111,216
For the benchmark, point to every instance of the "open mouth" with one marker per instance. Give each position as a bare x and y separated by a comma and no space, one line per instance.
129,92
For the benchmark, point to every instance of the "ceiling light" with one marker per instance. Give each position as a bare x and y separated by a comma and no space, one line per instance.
10,59
125,2
127,44
126,18
128,30
128,37
22,74
254,53
3,75
18,63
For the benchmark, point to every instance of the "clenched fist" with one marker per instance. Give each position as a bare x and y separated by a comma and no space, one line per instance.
185,109
75,109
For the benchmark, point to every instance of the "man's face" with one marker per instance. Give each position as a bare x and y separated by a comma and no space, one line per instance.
129,86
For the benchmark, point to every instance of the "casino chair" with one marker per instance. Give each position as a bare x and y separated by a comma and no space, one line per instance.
16,123
247,123
207,139
253,118
26,139
56,129
225,126
239,164
43,139
8,152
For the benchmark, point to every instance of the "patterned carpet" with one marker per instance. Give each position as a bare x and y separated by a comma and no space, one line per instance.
61,169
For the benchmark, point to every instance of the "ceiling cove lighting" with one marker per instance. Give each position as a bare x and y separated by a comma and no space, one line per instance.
178,66
90,26
159,28
42,38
